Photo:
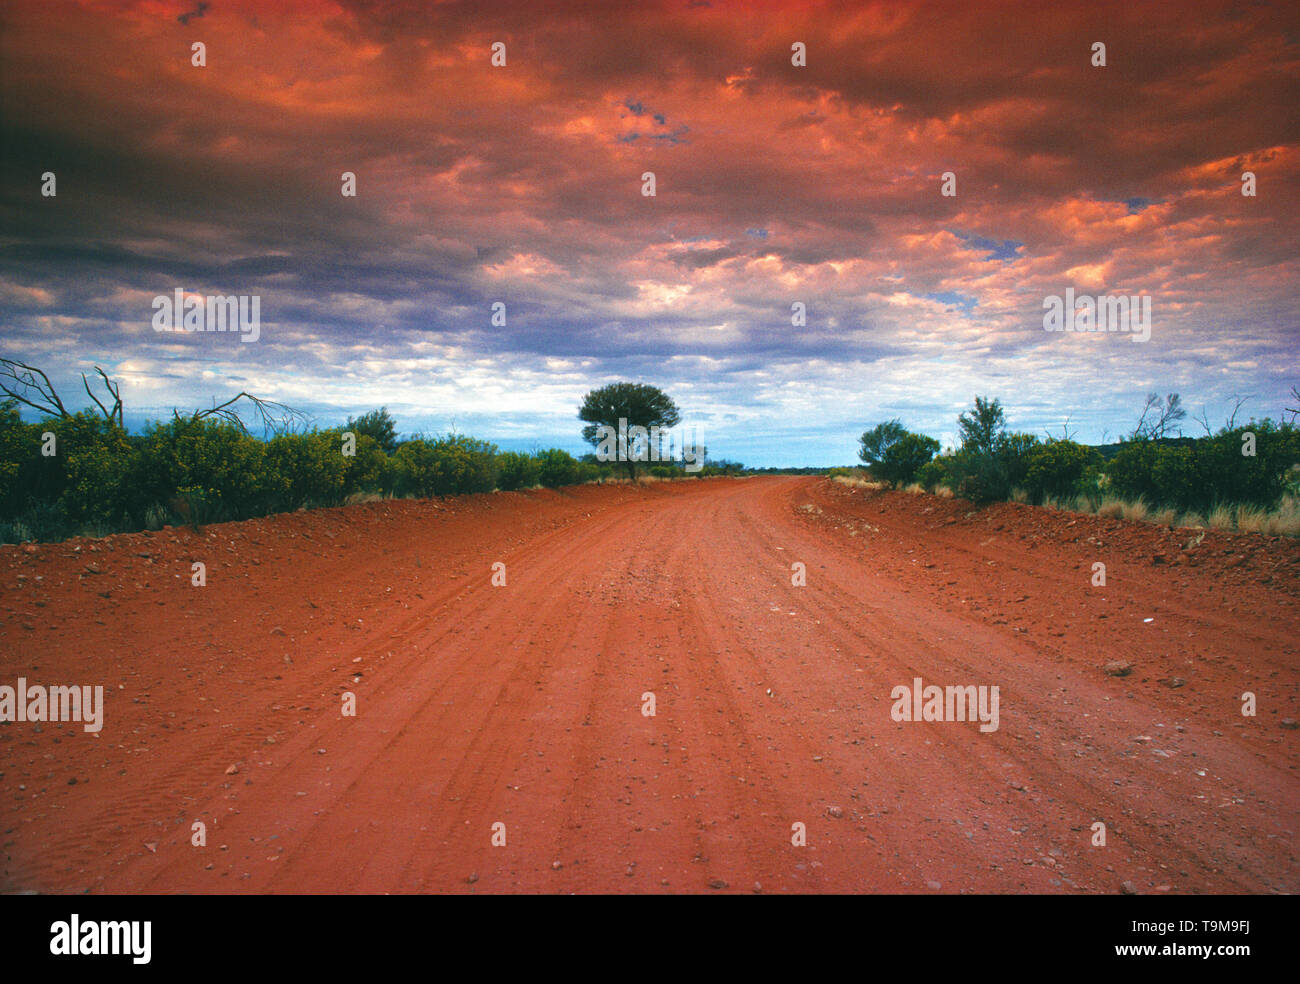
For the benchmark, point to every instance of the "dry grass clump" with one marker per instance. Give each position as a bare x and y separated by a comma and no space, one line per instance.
1079,504
1163,517
1221,518
1111,508
1134,512
1285,519
857,482
1251,519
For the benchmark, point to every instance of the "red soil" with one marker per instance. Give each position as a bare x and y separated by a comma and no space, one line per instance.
522,704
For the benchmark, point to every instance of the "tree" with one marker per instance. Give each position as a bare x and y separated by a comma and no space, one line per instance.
1066,433
39,394
378,424
1158,418
907,456
981,427
877,441
894,453
618,408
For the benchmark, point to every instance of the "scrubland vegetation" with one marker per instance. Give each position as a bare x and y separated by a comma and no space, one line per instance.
1245,477
83,473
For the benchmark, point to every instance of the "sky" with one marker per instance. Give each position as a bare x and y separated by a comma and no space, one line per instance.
776,184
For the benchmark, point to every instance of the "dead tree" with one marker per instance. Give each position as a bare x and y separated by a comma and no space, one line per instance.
1066,433
35,390
1230,422
276,418
38,392
1164,416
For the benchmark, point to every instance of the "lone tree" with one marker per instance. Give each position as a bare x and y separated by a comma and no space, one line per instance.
627,405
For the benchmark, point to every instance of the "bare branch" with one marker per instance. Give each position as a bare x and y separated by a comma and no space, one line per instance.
1142,430
103,409
1066,433
116,390
1236,408
25,376
1170,415
1167,415
276,418
39,393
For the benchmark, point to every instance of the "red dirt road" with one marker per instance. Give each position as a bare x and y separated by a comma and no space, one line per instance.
522,704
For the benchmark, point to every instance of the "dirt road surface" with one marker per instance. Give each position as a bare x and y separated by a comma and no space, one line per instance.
523,704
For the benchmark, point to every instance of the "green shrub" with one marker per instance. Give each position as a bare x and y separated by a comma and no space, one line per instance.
556,468
197,506
873,444
516,471
989,462
29,477
935,472
1199,475
305,470
905,457
19,444
1057,469
40,521
1014,453
975,476
206,454
1131,470
446,466
366,469
100,466
990,475
1260,479
721,467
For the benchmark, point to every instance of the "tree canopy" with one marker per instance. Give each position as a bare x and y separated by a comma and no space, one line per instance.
633,404
380,425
